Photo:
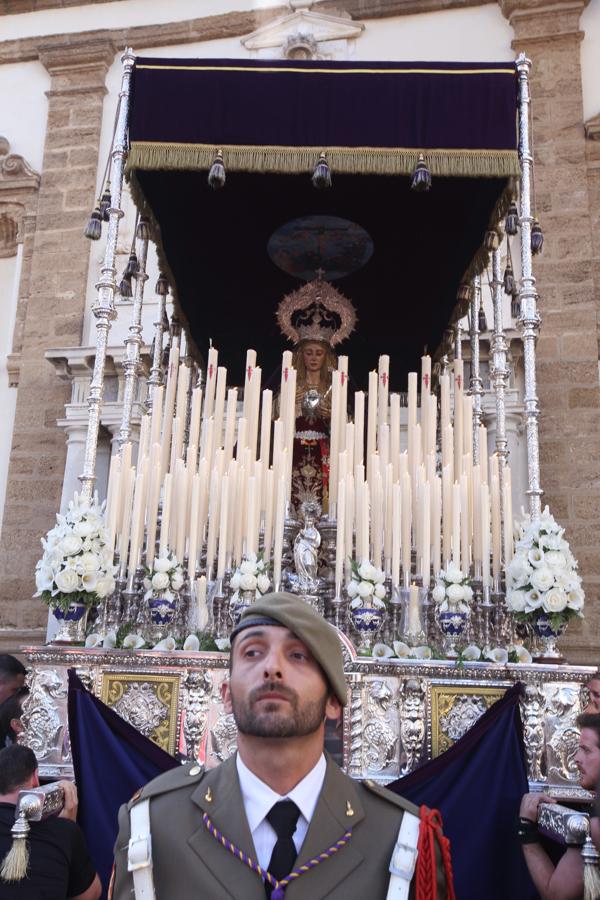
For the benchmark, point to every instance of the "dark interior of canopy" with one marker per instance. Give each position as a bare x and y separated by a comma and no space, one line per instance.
228,286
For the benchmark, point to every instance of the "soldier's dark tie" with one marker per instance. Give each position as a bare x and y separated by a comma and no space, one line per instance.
283,817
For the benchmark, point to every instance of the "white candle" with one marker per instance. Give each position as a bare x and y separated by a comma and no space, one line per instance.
376,518
447,514
194,432
396,533
383,390
372,415
220,406
343,402
269,500
349,524
251,530
444,401
157,403
388,530
477,545
213,521
456,524
458,416
436,507
278,538
265,427
426,535
230,419
412,426
165,519
496,519
339,544
359,427
464,525
508,516
222,557
211,383
485,534
334,442
468,436
153,499
169,408
255,385
137,525
395,433
241,439
406,519
414,621
193,537
201,607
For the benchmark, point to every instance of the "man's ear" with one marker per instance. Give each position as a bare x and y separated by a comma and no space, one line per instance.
333,708
226,696
35,778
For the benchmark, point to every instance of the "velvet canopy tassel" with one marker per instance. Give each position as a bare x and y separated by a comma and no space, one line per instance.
131,269
93,229
162,285
512,220
482,320
491,240
105,201
464,293
537,237
421,177
515,306
216,174
125,288
321,177
508,279
142,231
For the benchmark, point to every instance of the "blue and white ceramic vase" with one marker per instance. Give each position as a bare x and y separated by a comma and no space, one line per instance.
367,622
453,625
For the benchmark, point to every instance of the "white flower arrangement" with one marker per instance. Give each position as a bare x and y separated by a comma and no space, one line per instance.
251,575
400,650
76,566
452,591
366,586
542,577
165,576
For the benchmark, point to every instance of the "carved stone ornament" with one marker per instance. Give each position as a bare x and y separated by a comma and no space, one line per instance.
303,34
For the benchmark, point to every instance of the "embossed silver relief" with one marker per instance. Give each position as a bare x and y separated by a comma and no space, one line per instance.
533,707
380,736
42,717
140,706
198,688
466,710
412,723
562,733
353,731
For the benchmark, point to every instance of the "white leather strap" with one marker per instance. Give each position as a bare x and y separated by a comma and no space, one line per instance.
404,858
139,854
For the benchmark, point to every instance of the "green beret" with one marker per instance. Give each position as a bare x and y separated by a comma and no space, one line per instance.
320,637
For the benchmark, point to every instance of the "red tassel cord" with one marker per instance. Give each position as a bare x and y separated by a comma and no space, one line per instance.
430,833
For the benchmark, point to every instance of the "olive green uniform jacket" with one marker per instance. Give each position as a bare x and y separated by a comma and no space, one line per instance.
190,864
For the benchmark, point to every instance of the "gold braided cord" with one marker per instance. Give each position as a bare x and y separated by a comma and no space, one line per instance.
509,70
170,156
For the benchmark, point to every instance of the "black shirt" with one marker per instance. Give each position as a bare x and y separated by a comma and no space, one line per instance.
59,862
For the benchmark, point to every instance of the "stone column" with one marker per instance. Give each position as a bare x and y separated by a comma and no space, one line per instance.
54,315
549,33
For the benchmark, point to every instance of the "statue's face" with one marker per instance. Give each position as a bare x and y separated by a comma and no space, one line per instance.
314,354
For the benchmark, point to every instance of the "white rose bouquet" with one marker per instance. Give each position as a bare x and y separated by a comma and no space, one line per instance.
77,563
251,575
452,591
542,577
165,576
366,586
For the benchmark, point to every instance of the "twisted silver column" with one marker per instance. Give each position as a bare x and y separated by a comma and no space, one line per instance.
499,377
133,342
156,377
529,320
104,307
475,383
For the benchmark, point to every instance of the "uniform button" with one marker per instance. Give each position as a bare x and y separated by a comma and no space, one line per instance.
195,770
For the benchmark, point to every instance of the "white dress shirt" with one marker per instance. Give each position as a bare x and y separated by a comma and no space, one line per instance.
259,798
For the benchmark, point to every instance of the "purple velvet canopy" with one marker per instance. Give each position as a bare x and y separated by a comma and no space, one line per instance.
271,120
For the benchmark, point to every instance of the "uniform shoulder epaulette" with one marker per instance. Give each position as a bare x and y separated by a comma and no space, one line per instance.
380,791
172,780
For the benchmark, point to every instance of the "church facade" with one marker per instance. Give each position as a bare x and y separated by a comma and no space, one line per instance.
59,81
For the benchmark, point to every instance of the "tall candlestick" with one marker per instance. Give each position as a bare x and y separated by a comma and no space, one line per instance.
201,607
413,618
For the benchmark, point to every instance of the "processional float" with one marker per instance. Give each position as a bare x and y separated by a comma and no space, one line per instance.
406,544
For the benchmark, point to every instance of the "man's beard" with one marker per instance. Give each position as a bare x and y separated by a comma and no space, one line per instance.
272,721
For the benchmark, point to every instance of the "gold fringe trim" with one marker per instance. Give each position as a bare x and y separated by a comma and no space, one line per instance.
302,71
348,160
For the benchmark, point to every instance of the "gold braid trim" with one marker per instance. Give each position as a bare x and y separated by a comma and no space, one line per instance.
349,160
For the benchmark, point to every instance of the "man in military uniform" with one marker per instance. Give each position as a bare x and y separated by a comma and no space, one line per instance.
279,817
